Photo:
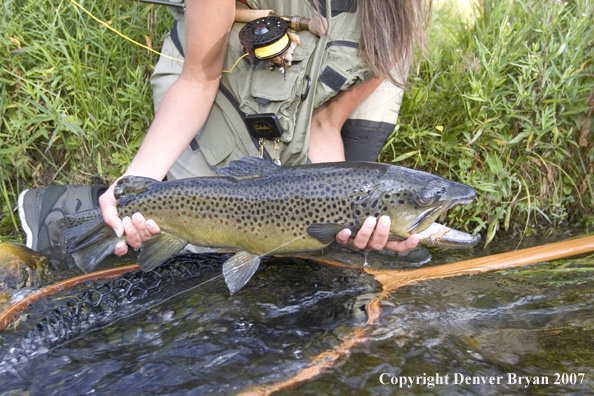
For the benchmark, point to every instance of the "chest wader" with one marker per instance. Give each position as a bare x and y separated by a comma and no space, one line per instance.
322,67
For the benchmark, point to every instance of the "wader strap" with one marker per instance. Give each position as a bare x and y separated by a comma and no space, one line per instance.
235,104
175,38
338,7
194,144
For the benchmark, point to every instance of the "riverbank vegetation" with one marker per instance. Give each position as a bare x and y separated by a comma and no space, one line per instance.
504,102
75,100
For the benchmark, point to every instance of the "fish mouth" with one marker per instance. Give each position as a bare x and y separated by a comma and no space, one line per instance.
462,202
421,219
441,236
436,234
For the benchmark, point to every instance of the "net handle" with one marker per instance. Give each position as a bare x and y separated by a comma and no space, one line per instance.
394,279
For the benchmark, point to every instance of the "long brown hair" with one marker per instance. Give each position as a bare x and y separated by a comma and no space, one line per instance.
390,31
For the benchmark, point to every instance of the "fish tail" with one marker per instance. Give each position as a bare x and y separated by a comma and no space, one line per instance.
87,238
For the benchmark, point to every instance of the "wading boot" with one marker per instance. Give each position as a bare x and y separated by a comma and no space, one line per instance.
39,209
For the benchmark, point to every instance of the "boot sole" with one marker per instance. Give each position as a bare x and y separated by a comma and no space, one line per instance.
24,224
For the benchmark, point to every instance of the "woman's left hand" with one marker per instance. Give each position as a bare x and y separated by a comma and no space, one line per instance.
364,240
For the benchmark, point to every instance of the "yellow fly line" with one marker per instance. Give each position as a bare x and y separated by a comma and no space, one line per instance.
139,44
121,34
272,49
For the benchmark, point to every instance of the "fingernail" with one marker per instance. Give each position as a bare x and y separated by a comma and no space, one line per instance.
150,223
346,232
371,221
415,238
385,220
118,233
120,246
137,216
127,221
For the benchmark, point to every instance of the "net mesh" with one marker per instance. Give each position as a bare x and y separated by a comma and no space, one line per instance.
99,301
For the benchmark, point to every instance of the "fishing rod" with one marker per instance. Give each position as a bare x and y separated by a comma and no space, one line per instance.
316,25
165,3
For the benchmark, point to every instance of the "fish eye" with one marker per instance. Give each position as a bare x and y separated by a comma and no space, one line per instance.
426,197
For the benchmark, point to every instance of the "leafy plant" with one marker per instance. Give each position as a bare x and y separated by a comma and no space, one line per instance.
74,97
505,104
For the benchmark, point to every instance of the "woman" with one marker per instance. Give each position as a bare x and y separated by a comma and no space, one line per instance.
389,32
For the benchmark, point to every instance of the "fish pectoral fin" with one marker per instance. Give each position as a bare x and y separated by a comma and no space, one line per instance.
239,269
158,249
326,232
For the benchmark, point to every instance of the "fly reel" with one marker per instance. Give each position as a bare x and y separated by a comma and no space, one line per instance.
265,38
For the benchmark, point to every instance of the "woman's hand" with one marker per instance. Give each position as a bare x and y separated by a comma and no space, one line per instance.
136,229
379,241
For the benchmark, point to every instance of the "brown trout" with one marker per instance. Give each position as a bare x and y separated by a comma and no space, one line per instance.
257,208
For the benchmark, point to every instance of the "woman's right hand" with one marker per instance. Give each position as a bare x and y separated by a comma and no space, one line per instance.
136,229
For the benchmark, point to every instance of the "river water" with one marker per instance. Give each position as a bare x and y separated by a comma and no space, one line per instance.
472,335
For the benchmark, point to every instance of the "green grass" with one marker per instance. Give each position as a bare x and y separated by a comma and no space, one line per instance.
504,104
75,101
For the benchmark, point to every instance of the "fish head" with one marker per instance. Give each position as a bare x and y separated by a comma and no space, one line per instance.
414,200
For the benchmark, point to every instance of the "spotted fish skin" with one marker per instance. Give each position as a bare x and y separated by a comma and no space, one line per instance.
260,208
258,214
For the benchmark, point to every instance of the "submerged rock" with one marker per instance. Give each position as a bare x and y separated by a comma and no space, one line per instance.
20,267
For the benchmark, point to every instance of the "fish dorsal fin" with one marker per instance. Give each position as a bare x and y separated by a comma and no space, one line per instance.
239,269
158,249
132,185
248,168
326,232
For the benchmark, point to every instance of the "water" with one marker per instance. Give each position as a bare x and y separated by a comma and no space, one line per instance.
535,321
